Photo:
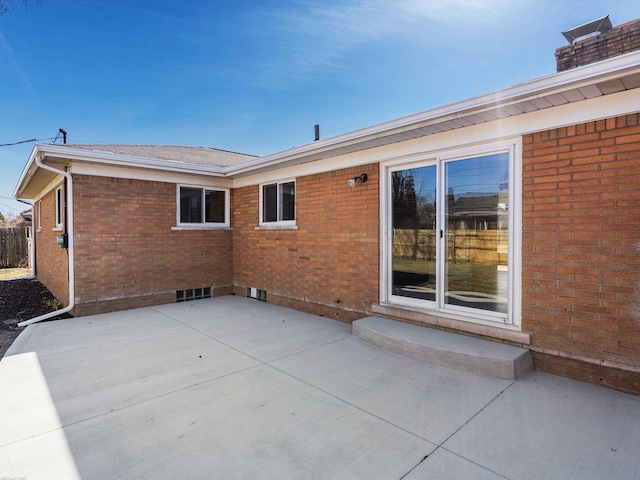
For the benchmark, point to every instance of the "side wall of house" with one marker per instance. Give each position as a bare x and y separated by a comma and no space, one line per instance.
52,261
329,265
581,263
127,254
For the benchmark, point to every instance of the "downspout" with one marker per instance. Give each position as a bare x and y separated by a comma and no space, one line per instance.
69,225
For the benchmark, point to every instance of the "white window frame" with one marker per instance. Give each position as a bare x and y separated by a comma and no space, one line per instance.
278,223
59,208
203,224
39,215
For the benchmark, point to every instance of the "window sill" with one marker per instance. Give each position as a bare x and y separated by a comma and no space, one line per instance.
277,227
200,227
57,229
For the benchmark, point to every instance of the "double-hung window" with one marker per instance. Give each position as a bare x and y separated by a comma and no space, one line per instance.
278,203
200,206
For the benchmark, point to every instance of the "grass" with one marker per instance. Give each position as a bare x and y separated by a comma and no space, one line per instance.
462,276
13,273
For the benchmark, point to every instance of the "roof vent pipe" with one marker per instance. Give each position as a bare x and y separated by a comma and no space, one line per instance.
317,133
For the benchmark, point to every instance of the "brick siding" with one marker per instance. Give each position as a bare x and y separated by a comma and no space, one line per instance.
329,265
581,225
52,261
581,264
126,253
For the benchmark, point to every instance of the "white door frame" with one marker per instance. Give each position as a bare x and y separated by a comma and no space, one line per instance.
514,147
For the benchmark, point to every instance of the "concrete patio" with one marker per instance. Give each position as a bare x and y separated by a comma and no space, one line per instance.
235,388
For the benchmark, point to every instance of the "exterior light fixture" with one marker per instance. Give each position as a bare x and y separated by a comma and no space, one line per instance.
352,181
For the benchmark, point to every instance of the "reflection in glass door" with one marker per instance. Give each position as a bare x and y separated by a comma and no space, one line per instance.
449,241
413,193
476,213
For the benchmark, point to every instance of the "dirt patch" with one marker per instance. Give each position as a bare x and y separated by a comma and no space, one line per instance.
20,300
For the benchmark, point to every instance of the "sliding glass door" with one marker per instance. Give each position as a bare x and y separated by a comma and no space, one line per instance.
448,227
414,233
476,233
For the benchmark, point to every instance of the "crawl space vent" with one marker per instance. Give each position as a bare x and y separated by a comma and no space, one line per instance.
256,293
193,294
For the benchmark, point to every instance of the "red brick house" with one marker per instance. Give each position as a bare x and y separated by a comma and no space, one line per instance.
513,216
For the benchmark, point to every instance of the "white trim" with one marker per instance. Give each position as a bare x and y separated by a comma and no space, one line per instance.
58,202
606,106
39,206
267,226
531,90
262,225
115,171
458,114
203,225
184,228
512,146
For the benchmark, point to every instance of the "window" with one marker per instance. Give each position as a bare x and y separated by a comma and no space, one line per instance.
40,215
278,202
59,208
202,206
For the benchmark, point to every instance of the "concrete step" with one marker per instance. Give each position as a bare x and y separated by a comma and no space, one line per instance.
446,349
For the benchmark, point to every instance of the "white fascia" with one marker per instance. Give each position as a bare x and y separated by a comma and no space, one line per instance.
530,90
26,172
113,159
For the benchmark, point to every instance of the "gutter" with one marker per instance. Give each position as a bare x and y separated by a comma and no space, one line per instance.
592,74
69,225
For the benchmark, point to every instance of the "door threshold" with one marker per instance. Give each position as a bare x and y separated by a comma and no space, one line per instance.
422,317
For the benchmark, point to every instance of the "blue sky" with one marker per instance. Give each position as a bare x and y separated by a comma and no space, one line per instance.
254,76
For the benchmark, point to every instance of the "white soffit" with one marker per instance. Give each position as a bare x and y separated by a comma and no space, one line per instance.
607,77
602,78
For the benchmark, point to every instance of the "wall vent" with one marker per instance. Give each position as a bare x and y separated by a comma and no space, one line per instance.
256,293
193,294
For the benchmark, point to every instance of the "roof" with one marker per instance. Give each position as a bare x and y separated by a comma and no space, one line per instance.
607,77
598,79
195,155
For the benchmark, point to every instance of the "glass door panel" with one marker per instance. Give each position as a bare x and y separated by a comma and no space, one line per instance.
414,239
476,211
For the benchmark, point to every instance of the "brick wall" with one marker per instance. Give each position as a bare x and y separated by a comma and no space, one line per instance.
581,250
617,41
52,261
126,253
329,266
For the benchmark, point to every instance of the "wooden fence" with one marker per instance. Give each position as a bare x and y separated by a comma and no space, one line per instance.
14,247
476,246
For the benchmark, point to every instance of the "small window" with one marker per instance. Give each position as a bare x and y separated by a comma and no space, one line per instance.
40,215
278,203
202,206
59,208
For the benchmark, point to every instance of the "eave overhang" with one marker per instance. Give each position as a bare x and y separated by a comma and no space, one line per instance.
61,155
595,80
603,78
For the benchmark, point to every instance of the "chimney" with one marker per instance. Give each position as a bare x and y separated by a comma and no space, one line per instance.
595,41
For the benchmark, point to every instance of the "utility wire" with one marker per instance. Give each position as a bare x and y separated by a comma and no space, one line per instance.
53,139
17,200
18,143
